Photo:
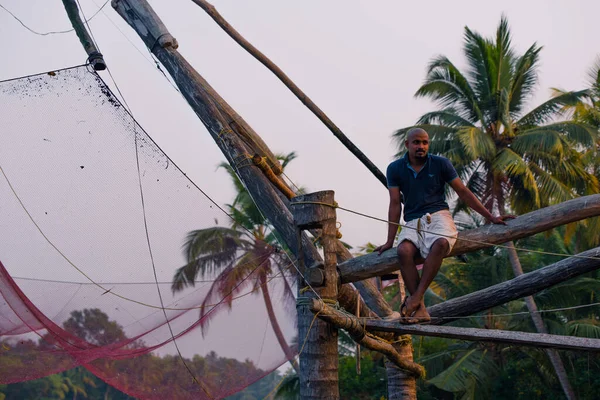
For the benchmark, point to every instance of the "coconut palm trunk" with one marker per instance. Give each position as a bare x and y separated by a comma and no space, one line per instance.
289,353
401,386
553,355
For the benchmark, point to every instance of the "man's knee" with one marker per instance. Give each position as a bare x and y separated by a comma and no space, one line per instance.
406,250
441,246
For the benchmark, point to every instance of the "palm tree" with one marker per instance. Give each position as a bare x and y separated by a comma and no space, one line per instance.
508,158
241,256
587,111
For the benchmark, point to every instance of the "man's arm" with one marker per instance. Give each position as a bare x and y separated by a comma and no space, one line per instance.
394,211
469,198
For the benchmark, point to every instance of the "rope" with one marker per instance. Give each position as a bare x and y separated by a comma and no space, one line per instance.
335,205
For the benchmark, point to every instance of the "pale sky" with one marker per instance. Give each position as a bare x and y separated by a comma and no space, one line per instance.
361,62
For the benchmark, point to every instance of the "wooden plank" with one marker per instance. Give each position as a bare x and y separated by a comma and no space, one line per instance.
487,335
519,287
541,220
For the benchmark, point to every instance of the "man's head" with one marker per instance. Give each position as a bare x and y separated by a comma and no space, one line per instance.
417,143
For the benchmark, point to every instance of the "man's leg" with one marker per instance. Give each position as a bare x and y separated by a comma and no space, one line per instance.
406,253
431,266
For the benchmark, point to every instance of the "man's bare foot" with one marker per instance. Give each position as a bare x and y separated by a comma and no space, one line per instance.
414,314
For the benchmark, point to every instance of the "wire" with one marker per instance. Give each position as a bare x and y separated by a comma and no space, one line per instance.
51,32
139,174
100,286
122,283
335,205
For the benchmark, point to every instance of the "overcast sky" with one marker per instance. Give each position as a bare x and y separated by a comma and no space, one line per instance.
360,61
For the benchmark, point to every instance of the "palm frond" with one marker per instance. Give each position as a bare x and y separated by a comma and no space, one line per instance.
448,86
448,117
289,388
476,50
477,143
550,109
589,328
221,294
285,159
475,367
221,241
516,169
594,77
551,188
539,140
239,187
524,79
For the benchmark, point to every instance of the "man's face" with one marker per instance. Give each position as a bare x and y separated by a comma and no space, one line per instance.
417,145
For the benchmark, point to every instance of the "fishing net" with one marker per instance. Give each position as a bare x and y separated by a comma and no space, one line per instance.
93,217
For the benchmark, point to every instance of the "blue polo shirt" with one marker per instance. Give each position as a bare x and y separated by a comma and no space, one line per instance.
423,191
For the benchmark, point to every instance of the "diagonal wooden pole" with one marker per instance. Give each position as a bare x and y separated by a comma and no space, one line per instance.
337,132
95,58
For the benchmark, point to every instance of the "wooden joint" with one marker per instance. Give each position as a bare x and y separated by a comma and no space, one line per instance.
315,275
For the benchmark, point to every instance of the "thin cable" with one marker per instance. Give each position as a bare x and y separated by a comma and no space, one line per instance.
120,283
139,174
88,25
449,236
101,287
51,32
524,313
167,157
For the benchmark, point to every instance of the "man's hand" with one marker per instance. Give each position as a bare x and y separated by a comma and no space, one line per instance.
501,219
383,247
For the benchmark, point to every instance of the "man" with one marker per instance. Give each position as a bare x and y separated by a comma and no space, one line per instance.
429,228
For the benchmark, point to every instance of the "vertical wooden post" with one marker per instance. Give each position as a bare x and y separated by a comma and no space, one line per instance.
94,56
319,356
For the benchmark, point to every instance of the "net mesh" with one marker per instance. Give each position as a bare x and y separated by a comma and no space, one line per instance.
93,217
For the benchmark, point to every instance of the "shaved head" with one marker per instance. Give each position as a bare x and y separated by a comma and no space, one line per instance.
415,131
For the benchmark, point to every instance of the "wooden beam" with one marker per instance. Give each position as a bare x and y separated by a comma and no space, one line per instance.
541,220
319,360
487,335
95,58
519,287
355,329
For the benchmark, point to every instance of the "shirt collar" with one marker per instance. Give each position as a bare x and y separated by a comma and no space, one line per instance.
407,161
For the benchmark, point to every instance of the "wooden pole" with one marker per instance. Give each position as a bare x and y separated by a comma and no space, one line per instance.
516,288
318,339
337,132
488,335
541,220
95,58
